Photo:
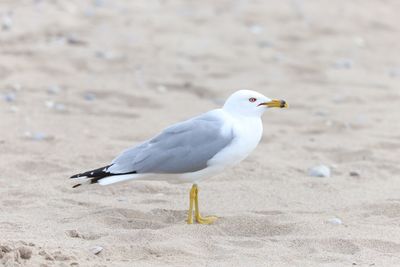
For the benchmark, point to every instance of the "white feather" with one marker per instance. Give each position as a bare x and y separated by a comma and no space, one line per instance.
118,178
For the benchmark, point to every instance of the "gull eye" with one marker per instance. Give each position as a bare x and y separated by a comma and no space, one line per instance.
252,99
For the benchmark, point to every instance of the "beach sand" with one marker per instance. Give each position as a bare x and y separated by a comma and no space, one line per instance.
83,80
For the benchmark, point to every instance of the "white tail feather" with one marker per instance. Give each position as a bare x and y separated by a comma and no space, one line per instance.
118,179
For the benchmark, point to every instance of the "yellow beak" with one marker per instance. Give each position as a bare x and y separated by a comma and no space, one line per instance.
275,103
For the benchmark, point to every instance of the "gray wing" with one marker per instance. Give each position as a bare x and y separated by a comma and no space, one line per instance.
183,147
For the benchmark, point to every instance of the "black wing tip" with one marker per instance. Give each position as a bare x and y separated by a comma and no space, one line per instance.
95,175
92,174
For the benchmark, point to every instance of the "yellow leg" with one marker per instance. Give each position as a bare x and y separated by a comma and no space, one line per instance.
199,219
192,196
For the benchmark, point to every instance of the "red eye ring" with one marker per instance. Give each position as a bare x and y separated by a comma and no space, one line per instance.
252,99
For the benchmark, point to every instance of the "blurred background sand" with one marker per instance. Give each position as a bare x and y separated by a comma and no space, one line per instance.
82,80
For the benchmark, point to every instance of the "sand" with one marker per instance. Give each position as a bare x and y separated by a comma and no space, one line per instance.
83,80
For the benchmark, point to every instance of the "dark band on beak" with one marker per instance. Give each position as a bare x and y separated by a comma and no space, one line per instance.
275,104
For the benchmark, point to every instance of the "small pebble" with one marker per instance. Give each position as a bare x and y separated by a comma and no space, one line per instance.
73,40
256,29
265,44
55,106
10,97
96,250
59,107
321,113
106,55
53,89
25,253
320,171
354,173
344,63
336,221
99,3
6,22
89,96
49,104
37,136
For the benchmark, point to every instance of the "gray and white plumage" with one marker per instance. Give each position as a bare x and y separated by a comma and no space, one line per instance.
180,148
194,149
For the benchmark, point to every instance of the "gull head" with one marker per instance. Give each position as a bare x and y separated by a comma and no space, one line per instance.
251,103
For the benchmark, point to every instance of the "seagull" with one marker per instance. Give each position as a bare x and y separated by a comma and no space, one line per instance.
192,150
